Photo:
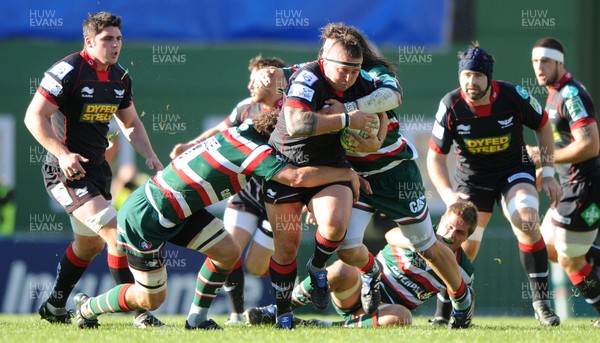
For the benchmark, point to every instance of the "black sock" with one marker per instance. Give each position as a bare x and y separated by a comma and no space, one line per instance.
69,271
324,248
234,288
588,284
443,308
283,278
534,259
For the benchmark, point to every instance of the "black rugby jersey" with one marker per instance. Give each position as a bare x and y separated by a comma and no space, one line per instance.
489,138
308,89
569,106
87,99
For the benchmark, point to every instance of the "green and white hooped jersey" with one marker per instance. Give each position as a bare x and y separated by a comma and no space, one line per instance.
210,171
409,281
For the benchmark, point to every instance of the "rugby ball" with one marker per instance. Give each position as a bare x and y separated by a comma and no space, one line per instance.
347,140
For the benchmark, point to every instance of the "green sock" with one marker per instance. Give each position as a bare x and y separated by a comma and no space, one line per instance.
112,301
363,321
300,294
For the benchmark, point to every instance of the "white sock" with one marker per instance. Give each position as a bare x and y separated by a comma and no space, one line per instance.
197,315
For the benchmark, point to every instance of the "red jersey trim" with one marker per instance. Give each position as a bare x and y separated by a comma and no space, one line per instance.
171,198
560,83
297,104
582,122
199,189
483,110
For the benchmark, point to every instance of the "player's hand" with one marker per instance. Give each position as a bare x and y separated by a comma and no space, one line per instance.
552,190
153,163
334,106
310,218
178,149
360,120
264,77
365,185
450,197
369,144
71,166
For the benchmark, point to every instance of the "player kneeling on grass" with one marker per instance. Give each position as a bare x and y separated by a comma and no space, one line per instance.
170,207
406,283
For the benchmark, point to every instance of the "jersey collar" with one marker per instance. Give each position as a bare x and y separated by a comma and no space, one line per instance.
560,83
102,74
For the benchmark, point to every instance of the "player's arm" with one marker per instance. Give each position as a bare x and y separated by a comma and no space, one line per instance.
134,131
181,147
585,145
314,176
301,122
545,139
36,120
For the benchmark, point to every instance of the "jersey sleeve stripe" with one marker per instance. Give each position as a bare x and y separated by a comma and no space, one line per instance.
175,198
390,150
234,138
296,104
197,183
255,158
583,122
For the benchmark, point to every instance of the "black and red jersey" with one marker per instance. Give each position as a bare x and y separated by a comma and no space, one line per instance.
489,138
569,106
247,109
87,99
308,89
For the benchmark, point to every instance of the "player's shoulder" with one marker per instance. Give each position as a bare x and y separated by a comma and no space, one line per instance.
308,74
451,98
65,66
519,94
572,89
244,103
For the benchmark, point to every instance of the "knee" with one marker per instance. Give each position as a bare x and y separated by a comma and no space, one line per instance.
151,302
87,249
527,220
350,256
395,315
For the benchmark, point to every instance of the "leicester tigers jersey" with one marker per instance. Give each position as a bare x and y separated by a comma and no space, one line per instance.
210,171
408,280
87,99
569,107
488,137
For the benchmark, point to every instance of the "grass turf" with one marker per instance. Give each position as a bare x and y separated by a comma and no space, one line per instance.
29,328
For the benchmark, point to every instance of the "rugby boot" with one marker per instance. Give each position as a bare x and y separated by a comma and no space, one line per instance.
60,315
285,321
147,320
544,314
319,294
208,324
370,294
83,322
261,315
463,319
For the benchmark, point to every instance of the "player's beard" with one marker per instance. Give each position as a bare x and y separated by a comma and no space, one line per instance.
551,79
477,95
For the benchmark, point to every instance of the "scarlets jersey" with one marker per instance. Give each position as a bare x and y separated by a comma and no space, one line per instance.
569,106
489,138
210,171
87,99
308,89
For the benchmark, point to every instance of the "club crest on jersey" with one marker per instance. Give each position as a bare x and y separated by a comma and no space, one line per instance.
119,93
145,245
102,113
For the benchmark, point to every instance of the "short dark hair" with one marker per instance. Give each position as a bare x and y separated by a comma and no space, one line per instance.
549,42
259,62
467,211
95,22
370,57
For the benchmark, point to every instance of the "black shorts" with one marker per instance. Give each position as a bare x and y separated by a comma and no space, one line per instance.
579,207
249,199
278,193
484,190
72,194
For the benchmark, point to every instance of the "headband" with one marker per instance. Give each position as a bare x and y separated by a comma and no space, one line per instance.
349,64
540,51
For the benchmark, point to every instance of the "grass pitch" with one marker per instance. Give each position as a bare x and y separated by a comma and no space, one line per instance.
118,328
